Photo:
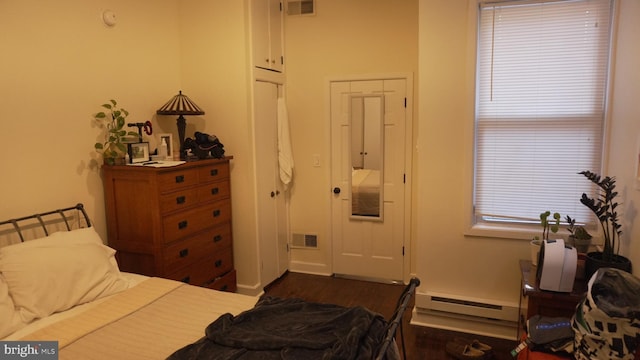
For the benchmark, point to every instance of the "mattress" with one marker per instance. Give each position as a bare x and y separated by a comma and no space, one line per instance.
150,320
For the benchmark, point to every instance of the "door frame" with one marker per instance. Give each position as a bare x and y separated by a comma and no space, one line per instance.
408,205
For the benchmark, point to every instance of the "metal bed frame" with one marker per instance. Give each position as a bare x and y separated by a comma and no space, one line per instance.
60,212
58,216
396,320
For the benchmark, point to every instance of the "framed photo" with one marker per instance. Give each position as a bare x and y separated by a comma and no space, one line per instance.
168,138
138,152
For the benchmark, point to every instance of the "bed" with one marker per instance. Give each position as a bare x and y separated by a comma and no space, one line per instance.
66,287
365,192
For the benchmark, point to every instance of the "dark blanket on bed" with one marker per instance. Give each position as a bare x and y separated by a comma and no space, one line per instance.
290,329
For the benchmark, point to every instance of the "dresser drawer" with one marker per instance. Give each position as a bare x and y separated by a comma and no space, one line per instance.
179,179
225,283
200,246
216,172
214,191
181,199
189,222
204,272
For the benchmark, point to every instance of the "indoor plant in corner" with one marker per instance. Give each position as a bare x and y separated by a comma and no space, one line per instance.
579,236
113,122
604,205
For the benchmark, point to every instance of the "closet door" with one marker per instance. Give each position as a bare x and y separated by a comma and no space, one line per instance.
271,208
266,32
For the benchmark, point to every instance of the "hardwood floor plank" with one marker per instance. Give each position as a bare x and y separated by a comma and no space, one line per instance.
420,342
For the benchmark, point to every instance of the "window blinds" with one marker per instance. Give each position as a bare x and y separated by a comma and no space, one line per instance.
541,95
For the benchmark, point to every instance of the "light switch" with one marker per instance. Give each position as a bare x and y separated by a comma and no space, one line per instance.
316,160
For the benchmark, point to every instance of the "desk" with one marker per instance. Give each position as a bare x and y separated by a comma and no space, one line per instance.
547,303
544,302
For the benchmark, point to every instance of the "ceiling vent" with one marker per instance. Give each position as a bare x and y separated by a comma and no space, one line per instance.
301,7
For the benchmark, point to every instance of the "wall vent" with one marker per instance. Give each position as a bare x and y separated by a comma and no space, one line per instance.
304,241
301,7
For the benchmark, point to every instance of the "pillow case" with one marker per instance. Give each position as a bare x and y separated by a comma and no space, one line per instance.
60,271
10,317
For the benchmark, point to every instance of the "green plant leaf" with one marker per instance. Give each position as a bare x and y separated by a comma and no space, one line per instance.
99,146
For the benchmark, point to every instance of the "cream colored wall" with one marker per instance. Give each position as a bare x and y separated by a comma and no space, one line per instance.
59,63
624,141
450,262
216,73
485,267
343,38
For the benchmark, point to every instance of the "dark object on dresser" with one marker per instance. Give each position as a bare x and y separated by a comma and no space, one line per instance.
204,145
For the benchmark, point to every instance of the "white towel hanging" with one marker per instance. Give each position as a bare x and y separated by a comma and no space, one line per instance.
285,156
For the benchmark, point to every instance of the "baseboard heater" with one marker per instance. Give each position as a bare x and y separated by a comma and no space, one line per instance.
466,314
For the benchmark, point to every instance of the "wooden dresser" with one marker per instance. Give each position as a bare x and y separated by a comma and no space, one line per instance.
173,222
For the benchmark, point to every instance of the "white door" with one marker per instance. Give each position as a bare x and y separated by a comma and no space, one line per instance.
369,247
271,207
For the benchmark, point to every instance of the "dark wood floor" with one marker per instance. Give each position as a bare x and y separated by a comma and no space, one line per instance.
420,342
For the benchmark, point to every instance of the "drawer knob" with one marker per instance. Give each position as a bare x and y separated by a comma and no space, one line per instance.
182,224
184,253
215,191
179,179
216,213
214,172
180,200
218,263
217,238
186,279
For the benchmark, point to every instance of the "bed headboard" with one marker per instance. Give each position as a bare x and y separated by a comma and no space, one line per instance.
43,224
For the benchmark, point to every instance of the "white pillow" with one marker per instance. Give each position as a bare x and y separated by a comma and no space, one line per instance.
55,273
10,317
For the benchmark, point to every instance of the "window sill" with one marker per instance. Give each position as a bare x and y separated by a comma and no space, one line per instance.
501,232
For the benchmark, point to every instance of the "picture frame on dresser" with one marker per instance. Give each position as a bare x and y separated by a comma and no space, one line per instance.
138,152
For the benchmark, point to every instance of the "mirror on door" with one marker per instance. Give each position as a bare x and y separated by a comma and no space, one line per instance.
367,140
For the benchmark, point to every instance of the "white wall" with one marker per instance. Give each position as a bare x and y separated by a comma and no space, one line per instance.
624,140
342,38
216,73
59,63
485,267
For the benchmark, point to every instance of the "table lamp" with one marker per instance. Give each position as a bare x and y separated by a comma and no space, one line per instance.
180,105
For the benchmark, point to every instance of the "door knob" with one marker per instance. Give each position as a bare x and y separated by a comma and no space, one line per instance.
273,194
336,190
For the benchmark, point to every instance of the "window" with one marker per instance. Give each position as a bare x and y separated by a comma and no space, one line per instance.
542,73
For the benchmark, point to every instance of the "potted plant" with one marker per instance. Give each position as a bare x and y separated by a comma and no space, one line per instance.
547,226
604,206
113,147
579,236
